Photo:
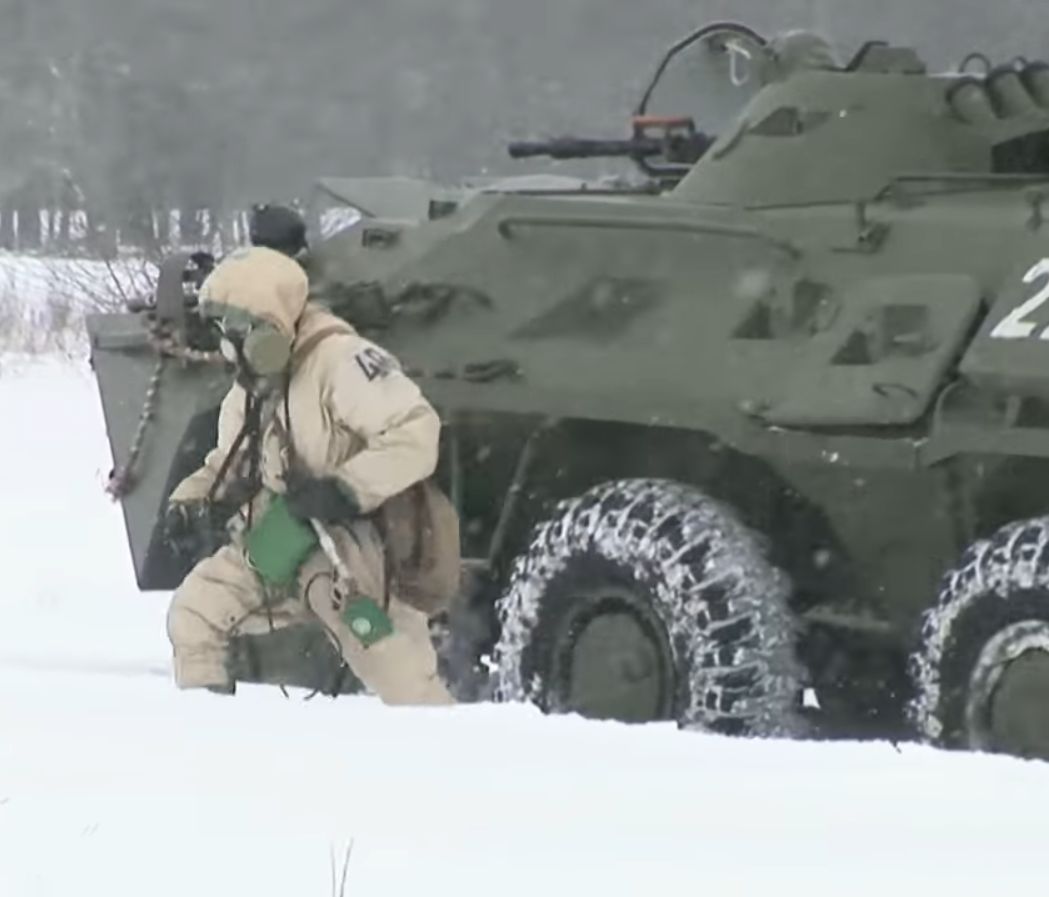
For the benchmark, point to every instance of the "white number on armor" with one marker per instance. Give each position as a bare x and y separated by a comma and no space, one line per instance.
1013,325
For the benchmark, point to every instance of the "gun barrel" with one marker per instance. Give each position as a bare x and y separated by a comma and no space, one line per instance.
584,148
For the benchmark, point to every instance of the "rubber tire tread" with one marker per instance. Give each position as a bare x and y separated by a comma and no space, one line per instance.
723,604
997,582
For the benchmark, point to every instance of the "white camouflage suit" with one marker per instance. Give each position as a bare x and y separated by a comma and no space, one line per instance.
354,416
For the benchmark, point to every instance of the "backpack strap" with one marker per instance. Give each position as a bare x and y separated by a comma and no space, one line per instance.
303,349
298,356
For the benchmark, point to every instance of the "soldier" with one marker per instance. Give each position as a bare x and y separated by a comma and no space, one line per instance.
320,428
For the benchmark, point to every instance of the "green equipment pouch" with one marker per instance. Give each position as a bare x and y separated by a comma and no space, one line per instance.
367,621
279,543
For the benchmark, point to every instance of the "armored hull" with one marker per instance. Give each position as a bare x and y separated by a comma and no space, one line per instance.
761,448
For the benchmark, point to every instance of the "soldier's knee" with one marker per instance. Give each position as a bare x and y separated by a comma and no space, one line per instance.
186,627
202,613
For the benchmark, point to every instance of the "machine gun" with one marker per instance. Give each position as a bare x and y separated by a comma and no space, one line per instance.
673,139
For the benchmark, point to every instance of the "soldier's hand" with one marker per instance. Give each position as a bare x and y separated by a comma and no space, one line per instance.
319,498
183,522
179,515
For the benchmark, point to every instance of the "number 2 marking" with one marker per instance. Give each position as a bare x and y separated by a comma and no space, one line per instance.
1013,325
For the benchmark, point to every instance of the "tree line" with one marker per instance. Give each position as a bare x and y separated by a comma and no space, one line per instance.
123,107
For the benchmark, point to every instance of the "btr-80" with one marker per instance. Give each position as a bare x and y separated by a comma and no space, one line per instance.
759,444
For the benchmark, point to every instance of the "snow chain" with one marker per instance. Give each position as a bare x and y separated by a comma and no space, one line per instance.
122,480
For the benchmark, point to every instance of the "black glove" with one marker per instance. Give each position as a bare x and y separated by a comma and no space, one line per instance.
319,498
191,527
181,517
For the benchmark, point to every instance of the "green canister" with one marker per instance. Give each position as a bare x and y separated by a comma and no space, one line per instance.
279,543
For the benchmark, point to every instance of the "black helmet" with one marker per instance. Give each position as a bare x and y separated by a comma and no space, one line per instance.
278,227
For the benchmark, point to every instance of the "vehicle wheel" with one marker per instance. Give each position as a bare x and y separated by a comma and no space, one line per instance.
646,600
981,670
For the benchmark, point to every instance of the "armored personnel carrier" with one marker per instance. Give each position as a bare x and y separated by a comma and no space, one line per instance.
759,445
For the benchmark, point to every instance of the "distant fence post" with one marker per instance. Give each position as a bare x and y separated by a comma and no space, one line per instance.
7,229
190,230
28,235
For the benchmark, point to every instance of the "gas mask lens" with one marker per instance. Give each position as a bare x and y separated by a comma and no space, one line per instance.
233,327
231,340
228,350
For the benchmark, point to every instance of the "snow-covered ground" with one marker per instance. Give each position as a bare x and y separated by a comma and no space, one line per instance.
42,299
114,784
35,276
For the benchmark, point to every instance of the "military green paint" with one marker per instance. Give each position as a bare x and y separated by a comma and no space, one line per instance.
838,317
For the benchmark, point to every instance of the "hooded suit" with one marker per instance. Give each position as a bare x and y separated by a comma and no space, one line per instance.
350,414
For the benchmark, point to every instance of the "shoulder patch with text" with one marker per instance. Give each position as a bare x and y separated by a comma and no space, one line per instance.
375,363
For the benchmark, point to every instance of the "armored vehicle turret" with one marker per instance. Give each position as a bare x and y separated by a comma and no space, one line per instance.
761,449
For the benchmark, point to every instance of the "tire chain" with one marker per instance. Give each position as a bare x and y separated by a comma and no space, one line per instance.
720,699
1013,560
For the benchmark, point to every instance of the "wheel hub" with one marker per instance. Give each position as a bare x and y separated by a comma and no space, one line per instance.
611,659
1020,707
1008,708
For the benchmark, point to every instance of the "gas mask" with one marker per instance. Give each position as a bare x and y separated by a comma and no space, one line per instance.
257,348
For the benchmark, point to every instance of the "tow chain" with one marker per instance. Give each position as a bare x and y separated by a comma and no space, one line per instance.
167,346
